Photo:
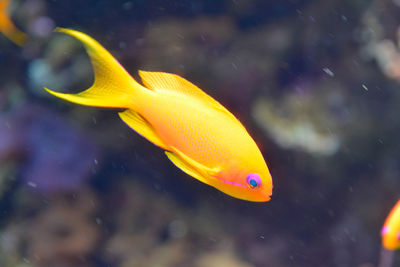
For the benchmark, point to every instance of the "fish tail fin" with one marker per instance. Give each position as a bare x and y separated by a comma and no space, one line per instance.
8,28
112,87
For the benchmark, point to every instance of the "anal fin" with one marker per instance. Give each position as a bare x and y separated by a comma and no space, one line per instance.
142,127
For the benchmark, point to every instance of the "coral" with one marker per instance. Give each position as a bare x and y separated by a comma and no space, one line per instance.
295,128
220,258
65,232
55,156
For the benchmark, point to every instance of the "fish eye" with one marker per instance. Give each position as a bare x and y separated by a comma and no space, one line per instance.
253,180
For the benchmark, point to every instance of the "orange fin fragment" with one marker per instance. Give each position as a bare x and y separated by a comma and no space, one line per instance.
8,28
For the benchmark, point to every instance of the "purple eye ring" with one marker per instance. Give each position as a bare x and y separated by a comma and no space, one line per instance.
253,180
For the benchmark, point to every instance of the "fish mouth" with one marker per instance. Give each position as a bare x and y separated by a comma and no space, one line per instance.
267,196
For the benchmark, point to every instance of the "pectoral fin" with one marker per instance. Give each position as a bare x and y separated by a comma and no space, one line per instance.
192,167
198,166
142,127
185,167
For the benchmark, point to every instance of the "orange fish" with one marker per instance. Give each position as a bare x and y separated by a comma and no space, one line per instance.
198,134
7,27
391,229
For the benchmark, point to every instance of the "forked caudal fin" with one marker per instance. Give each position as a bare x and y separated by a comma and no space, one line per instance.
112,87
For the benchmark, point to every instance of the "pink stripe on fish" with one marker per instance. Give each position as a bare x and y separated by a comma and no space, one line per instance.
229,182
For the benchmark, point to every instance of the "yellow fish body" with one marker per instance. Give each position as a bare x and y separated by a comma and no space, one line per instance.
7,27
200,136
391,229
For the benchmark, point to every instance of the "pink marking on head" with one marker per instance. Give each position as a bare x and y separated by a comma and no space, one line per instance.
398,235
385,230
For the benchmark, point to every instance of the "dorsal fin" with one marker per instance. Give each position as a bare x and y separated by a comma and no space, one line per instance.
162,81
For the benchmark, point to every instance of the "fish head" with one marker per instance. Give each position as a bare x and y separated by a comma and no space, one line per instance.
391,229
253,183
390,237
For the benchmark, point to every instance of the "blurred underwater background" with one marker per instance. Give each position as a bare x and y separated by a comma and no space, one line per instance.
316,83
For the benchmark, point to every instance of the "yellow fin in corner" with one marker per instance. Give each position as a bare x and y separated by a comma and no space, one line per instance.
142,127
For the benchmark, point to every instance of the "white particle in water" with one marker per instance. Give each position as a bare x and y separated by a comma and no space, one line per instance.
32,184
329,72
